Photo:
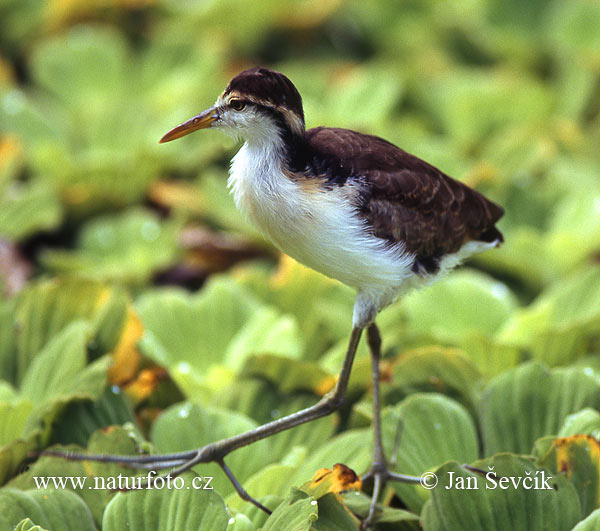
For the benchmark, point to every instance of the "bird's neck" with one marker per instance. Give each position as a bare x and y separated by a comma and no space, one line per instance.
272,150
260,179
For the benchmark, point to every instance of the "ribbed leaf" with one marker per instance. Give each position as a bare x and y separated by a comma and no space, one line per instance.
28,525
27,209
591,523
52,509
443,370
190,334
54,370
297,513
188,426
169,509
531,401
464,302
96,491
422,432
556,326
465,500
47,307
586,421
333,516
13,416
128,247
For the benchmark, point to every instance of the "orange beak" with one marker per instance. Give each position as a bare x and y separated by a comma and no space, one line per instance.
202,121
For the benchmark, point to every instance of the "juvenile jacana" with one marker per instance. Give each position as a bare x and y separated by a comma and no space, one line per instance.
351,206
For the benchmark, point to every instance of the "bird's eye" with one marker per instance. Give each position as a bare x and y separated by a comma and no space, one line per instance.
237,105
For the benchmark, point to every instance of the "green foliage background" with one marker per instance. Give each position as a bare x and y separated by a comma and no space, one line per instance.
135,297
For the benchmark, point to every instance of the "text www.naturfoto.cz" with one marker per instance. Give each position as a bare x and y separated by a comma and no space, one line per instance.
120,482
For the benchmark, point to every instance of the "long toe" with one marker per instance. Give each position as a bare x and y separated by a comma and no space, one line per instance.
379,473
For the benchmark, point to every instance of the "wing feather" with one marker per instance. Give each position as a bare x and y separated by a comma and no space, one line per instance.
405,199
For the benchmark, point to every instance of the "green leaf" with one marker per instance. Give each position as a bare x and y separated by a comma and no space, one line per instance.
8,345
27,209
53,509
255,398
172,509
173,337
310,435
11,457
297,513
7,392
27,525
490,355
53,371
488,505
81,418
586,421
443,370
471,103
524,256
266,331
47,307
57,376
74,65
528,402
591,523
322,307
422,432
556,326
188,426
87,385
240,522
127,247
290,375
96,491
360,505
333,516
257,516
573,28
464,302
272,479
574,231
13,416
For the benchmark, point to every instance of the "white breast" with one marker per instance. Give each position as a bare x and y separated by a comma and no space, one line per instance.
317,227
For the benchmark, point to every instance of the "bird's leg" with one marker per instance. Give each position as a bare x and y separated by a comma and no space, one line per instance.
374,343
379,468
216,451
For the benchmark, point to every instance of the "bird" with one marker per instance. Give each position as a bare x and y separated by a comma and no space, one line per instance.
352,206
349,205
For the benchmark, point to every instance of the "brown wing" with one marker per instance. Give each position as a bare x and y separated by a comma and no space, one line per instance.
406,198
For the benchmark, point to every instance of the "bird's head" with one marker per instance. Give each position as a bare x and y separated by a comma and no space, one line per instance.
257,104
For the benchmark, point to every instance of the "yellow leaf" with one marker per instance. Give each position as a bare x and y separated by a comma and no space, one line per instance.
145,383
11,153
564,451
338,480
578,457
126,357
